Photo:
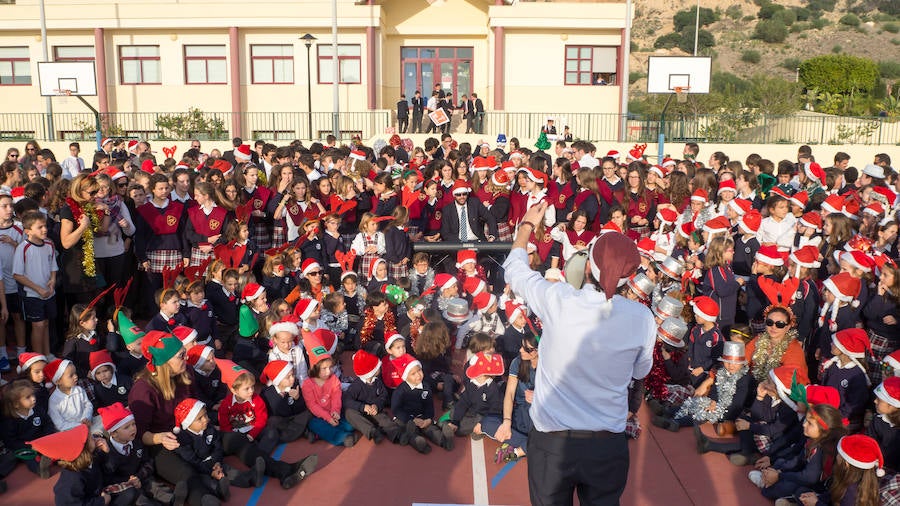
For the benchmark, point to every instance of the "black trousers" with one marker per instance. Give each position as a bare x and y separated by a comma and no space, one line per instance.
402,124
560,465
416,123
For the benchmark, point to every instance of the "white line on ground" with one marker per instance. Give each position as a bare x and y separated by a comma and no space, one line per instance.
479,473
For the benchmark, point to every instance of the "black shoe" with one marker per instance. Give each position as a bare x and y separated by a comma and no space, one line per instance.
447,441
3,487
402,439
223,489
420,444
377,437
181,493
702,440
299,471
665,423
210,500
44,467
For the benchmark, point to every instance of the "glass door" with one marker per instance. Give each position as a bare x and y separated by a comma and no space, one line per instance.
423,67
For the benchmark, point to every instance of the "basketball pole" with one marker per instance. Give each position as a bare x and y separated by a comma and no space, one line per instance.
624,79
50,129
661,137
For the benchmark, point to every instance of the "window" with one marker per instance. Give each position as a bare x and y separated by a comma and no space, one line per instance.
587,65
349,63
276,135
139,64
204,65
271,64
73,53
15,66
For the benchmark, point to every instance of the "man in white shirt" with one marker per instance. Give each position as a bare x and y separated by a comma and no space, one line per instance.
593,343
73,165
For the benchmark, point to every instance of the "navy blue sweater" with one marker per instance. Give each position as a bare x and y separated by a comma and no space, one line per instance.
408,403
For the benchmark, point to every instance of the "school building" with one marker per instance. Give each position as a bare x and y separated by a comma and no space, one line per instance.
247,60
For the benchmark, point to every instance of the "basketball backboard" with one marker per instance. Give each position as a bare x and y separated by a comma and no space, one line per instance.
690,74
67,78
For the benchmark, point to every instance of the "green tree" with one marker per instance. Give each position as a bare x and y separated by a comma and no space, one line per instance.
686,18
771,31
839,73
849,20
768,10
773,95
704,41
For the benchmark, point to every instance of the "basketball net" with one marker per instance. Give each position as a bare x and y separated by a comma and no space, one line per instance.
681,93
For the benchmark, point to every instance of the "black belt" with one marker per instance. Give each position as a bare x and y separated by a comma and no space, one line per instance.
583,434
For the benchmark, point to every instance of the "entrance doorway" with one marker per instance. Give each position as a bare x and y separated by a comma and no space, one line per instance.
423,67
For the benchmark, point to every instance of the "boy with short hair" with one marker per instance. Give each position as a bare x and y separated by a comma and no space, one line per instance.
74,164
10,237
706,343
243,410
34,269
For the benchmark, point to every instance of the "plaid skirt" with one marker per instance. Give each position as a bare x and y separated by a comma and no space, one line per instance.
757,327
347,240
633,427
198,257
397,271
261,235
763,443
161,258
677,394
881,347
889,489
504,232
279,235
643,232
364,262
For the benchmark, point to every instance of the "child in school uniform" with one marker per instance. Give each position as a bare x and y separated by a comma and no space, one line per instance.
885,425
706,341
335,318
368,243
169,315
379,322
768,263
198,314
243,411
668,383
69,403
128,464
34,269
746,244
354,303
413,406
483,396
421,276
397,245
859,467
24,420
395,348
719,282
250,350
322,393
209,387
365,399
846,372
488,320
79,482
275,279
285,334
81,338
516,330
378,276
109,387
439,295
287,409
804,263
224,303
31,367
131,361
838,311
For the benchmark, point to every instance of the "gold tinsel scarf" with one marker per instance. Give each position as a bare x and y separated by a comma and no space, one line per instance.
767,355
88,262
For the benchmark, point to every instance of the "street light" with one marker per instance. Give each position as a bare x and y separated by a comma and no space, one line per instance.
308,40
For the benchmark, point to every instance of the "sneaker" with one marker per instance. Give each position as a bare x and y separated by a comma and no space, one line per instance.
4,364
739,459
756,478
305,467
44,467
349,441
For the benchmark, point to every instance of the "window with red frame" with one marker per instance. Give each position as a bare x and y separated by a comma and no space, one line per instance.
205,65
139,65
15,66
73,53
349,63
272,64
590,65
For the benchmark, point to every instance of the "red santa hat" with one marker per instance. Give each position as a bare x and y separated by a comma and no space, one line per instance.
132,145
700,195
114,173
666,215
485,364
373,264
444,281
881,260
17,193
483,301
465,256
608,227
535,175
242,153
186,412
807,256
105,141
391,340
821,394
782,377
862,452
28,359
54,370
668,162
230,370
858,259
889,391
833,204
727,186
459,187
875,209
275,371
99,359
308,266
892,360
814,171
660,170
513,310
185,334
750,222
114,416
327,338
799,199
358,154
365,365
66,445
147,166
843,286
474,286
852,342
686,229
196,356
612,153
812,220
740,206
851,209
769,255
305,308
705,308
889,196
252,291
500,178
405,364
289,323
481,163
647,247
717,225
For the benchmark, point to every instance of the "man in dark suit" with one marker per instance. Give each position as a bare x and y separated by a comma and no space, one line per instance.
479,114
471,213
418,110
402,114
228,156
468,112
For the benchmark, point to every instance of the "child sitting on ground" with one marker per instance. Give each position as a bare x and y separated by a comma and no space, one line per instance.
322,393
365,399
287,409
413,406
243,411
285,335
24,420
482,396
109,387
69,403
209,387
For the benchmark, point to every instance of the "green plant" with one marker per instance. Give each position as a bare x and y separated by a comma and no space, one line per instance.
891,106
821,5
634,47
771,31
889,69
836,49
860,134
891,27
787,16
849,20
802,13
820,23
747,19
791,63
839,73
634,76
895,42
192,124
109,128
667,41
768,10
751,56
734,12
686,18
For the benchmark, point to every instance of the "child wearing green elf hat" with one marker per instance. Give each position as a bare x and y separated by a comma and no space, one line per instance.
130,361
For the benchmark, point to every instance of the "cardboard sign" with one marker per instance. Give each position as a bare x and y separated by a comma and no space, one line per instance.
439,117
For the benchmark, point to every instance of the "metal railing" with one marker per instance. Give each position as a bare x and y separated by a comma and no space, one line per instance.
749,128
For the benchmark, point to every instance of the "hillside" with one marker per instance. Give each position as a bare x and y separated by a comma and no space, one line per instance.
854,27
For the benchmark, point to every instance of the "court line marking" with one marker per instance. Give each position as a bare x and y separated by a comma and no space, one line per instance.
257,493
479,473
502,472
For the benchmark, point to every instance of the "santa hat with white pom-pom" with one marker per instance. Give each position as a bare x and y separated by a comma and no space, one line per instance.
186,412
845,288
862,452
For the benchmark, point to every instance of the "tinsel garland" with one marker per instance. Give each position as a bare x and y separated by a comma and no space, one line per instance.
88,262
369,320
766,357
696,407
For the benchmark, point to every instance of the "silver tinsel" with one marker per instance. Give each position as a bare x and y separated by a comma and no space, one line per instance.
697,407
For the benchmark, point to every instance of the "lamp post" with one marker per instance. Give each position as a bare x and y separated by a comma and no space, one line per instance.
308,40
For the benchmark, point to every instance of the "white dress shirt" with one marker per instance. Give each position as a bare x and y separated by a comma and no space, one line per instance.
67,411
464,223
590,350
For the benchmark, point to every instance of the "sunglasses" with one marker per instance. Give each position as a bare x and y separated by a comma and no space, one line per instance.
122,185
314,273
779,325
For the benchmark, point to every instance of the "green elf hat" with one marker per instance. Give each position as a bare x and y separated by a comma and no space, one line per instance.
542,142
394,294
248,326
163,351
128,330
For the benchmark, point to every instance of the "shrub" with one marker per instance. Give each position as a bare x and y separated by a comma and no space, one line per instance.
734,12
771,31
802,13
839,73
821,5
667,41
820,23
849,20
686,18
788,17
836,49
768,10
891,27
705,40
751,56
634,76
790,63
889,69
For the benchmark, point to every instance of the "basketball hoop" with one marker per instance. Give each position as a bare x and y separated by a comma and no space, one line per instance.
681,93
